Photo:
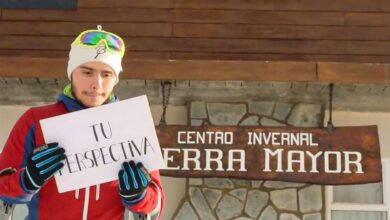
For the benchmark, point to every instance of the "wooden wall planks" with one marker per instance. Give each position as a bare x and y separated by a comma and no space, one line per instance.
159,69
354,31
287,5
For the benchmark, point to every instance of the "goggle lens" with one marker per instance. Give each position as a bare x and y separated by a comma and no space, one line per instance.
93,38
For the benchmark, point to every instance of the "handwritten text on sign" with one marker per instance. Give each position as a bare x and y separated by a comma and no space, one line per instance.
347,155
97,141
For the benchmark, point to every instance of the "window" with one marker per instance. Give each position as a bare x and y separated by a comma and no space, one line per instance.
360,202
39,4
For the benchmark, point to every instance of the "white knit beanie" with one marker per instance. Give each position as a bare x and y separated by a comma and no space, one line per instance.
80,54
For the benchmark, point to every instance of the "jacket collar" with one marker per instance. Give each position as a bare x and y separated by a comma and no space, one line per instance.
74,105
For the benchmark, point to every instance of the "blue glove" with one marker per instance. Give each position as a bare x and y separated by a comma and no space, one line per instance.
133,182
45,161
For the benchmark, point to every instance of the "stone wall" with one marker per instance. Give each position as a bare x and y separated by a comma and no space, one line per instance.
346,97
224,198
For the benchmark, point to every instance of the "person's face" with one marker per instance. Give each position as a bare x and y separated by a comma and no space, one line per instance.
92,83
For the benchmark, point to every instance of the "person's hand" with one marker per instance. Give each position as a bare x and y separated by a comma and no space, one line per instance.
133,182
45,161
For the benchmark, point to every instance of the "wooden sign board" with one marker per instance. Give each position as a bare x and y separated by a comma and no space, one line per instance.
348,155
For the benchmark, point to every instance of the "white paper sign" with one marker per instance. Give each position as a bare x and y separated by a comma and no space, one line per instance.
97,140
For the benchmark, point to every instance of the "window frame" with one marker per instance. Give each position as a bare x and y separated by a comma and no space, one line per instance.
339,206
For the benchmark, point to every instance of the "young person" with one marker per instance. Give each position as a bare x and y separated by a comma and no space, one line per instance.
28,164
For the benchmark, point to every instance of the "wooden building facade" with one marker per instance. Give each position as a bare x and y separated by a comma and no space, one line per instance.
270,52
227,40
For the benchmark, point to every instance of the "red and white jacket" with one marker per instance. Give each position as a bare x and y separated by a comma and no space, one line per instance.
95,202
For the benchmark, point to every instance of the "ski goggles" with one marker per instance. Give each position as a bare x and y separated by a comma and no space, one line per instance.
93,38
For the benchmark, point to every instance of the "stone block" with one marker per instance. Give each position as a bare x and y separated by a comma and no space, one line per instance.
281,111
36,81
267,122
183,84
315,216
200,204
133,82
234,84
202,84
256,183
285,199
282,185
306,115
310,199
250,121
269,213
12,81
186,212
261,108
241,182
198,109
61,82
195,181
288,216
239,193
225,114
220,183
229,207
213,196
196,122
299,86
256,201
153,85
317,88
281,87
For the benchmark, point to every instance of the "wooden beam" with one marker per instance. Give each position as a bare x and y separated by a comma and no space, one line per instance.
94,15
33,67
220,70
23,28
164,69
220,16
366,73
170,69
367,19
280,32
344,58
286,5
121,3
212,45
